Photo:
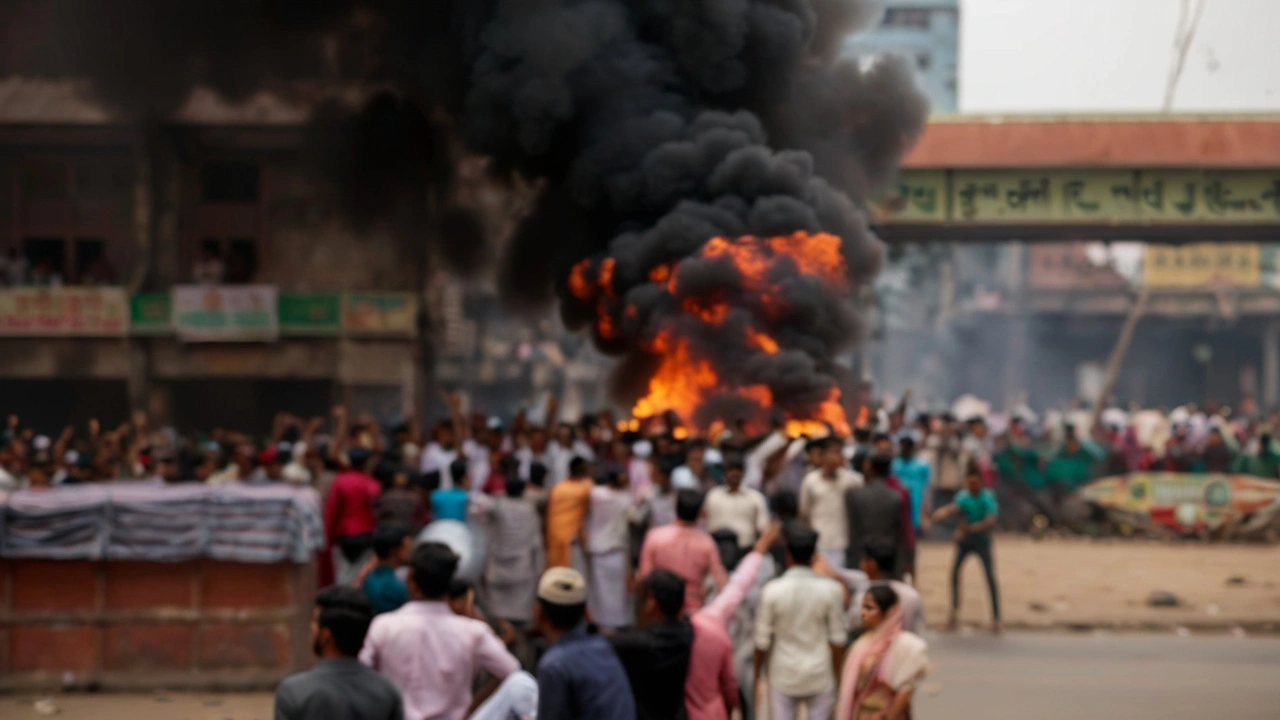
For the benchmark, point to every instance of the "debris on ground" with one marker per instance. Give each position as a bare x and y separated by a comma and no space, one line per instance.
1161,598
1236,580
1037,606
46,706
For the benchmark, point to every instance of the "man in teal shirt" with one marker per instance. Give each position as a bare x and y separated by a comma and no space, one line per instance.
976,505
452,504
386,592
913,473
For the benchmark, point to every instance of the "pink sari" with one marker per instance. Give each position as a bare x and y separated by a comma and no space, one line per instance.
868,684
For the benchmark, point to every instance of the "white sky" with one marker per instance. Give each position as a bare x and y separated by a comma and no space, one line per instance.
1046,56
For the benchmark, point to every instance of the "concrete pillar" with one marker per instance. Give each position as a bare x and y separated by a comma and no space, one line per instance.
1271,366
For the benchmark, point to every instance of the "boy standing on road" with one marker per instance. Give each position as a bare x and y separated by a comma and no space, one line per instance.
976,505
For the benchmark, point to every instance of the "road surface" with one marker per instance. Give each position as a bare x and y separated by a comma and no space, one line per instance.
1101,677
975,677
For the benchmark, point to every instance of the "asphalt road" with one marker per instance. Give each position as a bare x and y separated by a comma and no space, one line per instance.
1100,677
976,677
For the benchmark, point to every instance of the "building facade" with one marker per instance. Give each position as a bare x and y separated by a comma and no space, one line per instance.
928,32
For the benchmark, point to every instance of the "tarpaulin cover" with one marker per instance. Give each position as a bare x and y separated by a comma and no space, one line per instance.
166,523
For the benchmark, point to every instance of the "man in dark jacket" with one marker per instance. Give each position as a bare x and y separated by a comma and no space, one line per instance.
875,512
656,656
339,686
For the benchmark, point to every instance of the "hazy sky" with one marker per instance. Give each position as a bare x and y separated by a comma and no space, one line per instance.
1113,56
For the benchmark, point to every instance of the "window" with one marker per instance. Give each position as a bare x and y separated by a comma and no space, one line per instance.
45,180
46,259
242,260
230,183
906,17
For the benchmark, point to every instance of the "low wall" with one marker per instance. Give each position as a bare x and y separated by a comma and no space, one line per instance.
142,625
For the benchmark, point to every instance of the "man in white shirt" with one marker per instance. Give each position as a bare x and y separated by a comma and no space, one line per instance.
693,473
800,632
608,546
737,508
562,450
822,501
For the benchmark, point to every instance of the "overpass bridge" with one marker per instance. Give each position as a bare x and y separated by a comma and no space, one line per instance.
1159,178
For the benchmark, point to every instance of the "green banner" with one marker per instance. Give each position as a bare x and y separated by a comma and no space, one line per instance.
150,314
311,314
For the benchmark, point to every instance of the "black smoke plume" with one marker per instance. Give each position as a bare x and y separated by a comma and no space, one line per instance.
652,126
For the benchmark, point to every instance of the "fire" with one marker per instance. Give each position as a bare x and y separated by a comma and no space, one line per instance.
761,341
684,380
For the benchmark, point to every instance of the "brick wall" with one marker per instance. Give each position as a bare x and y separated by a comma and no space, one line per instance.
138,625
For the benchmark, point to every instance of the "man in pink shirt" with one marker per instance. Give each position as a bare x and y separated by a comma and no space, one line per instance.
685,550
711,687
430,653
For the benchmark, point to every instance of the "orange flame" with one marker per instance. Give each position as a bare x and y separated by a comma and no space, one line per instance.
683,381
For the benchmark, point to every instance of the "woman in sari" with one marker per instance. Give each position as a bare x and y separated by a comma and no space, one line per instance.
882,667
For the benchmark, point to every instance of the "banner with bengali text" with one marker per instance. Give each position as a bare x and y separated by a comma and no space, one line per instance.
225,313
66,311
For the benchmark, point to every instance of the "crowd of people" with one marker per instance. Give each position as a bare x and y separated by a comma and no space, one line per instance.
633,568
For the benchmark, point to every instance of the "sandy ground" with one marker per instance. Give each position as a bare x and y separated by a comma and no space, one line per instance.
1068,584
1083,584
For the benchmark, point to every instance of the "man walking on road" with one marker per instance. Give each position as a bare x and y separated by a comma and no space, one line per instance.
338,686
800,633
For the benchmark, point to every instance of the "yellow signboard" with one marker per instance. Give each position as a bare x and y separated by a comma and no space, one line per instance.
1095,197
1202,265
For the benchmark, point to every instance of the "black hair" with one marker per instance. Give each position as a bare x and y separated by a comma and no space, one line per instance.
801,541
458,470
667,464
358,457
881,437
816,444
784,505
385,473
537,474
698,444
515,486
387,539
577,466
433,567
884,596
346,614
884,555
832,442
429,481
734,461
688,505
667,589
907,442
563,617
861,434
881,464
458,588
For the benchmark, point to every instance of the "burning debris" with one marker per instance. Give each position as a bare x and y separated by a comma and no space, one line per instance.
702,165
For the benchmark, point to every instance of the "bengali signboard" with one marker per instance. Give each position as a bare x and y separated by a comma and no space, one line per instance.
314,314
224,313
83,311
387,314
1095,197
151,313
1202,265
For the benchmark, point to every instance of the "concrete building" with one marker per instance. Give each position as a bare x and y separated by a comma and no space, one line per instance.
927,31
